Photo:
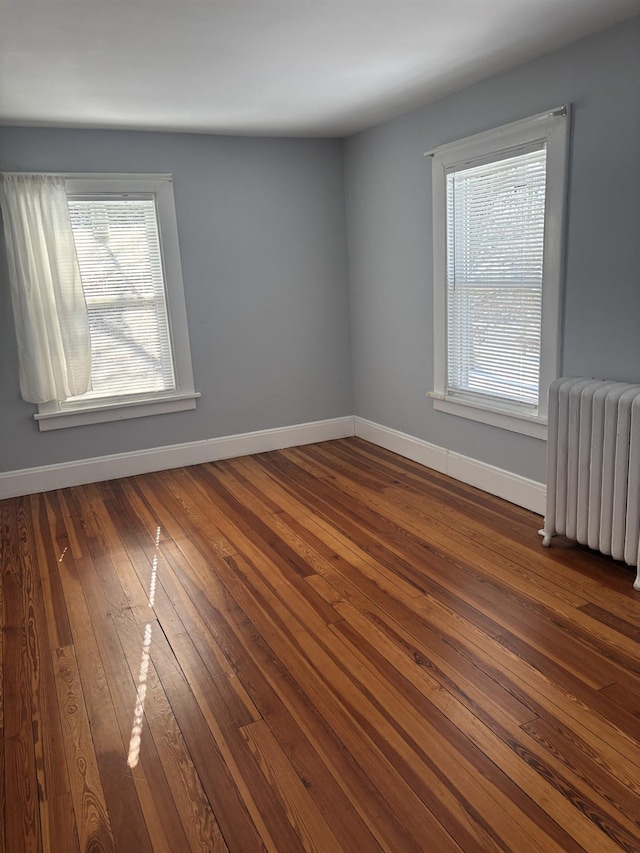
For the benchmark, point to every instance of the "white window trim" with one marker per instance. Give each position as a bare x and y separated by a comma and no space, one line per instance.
52,415
553,128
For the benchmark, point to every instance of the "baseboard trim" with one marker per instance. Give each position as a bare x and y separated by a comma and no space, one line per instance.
512,487
47,477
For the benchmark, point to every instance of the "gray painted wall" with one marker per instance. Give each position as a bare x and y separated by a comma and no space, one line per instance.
388,192
262,240
262,236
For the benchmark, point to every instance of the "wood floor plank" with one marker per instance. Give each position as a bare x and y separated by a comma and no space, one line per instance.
290,641
616,622
547,699
21,812
377,536
564,745
149,805
143,796
323,648
249,535
542,761
58,823
596,670
277,700
506,743
421,723
429,651
308,823
120,790
231,811
92,819
470,512
198,821
626,699
401,804
194,609
401,617
597,699
45,517
347,582
312,523
464,571
325,665
257,796
51,766
503,528
169,596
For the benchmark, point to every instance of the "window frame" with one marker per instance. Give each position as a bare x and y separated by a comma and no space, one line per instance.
552,128
54,415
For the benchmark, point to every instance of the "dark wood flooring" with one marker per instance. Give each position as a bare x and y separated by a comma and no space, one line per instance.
326,648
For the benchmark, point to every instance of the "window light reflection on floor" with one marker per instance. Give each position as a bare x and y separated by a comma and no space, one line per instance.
138,714
152,582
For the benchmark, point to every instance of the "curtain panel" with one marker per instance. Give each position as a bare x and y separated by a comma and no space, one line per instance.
52,327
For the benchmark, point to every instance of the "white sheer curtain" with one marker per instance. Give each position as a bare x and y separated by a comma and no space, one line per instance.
50,313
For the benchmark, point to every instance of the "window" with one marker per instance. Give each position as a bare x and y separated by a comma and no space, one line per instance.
126,239
498,214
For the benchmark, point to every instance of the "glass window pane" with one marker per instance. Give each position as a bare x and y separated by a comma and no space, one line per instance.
120,263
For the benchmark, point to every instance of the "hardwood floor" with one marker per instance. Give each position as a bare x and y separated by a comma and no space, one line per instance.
326,648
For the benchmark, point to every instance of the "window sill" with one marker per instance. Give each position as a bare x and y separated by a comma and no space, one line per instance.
532,425
110,411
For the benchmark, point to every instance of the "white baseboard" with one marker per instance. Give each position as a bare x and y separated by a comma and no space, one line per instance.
505,484
512,487
32,480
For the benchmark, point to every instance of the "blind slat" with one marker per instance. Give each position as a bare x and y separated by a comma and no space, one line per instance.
120,261
495,247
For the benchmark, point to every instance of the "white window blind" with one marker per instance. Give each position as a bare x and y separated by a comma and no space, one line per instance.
121,267
494,272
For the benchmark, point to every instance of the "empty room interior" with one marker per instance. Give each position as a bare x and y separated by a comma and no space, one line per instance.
320,426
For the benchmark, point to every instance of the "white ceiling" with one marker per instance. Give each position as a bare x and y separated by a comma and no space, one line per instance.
273,67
